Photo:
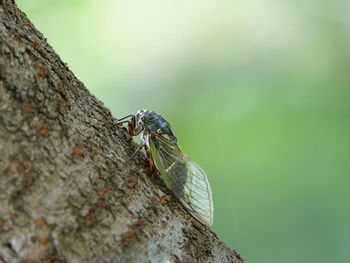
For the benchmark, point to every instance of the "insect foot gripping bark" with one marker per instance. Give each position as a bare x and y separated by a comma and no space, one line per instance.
185,179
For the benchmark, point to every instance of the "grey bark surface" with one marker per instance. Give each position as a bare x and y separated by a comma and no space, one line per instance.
66,193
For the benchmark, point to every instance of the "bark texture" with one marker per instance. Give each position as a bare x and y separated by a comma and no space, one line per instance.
66,194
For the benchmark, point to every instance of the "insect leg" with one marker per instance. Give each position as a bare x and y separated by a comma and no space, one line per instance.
150,159
117,125
149,152
141,145
144,141
124,129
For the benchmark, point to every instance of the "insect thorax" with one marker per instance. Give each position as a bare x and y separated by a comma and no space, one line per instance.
156,124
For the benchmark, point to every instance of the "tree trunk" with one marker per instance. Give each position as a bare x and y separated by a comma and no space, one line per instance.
66,193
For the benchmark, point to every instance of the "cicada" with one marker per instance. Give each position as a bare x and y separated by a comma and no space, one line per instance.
185,179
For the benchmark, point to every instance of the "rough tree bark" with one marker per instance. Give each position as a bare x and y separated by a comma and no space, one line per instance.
66,194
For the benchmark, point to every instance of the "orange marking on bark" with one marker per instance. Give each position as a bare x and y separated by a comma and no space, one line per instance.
78,150
128,237
164,201
39,222
100,204
44,241
142,221
27,108
87,221
35,43
104,192
2,223
154,201
30,180
21,170
60,89
42,131
62,103
42,74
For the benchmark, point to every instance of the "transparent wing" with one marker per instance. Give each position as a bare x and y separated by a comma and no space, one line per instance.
184,178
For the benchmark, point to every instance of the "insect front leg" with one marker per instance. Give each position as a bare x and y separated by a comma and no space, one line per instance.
152,166
144,141
148,151
141,145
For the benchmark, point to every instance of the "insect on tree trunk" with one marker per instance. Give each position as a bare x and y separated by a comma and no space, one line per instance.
66,193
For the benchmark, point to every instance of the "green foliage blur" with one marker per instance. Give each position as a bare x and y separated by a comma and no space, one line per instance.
258,95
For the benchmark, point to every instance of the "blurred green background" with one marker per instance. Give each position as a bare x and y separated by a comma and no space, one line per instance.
257,92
